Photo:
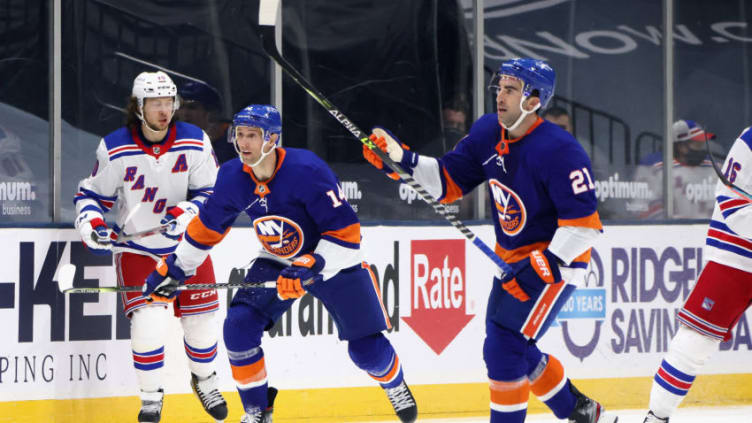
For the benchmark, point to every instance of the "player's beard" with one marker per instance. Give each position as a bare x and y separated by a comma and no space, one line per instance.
159,124
509,117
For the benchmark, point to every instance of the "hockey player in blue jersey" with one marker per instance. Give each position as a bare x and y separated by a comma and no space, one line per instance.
545,220
299,214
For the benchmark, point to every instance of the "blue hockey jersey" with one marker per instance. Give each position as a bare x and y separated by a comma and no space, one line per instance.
537,183
298,210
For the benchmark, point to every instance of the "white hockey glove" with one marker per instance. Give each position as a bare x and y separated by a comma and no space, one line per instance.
394,148
94,232
178,218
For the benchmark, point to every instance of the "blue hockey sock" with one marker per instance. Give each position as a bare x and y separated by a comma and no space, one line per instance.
375,355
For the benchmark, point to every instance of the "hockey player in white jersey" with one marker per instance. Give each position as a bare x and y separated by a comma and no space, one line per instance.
155,170
723,291
692,171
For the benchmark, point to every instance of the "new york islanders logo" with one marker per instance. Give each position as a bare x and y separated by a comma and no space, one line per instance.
279,235
509,208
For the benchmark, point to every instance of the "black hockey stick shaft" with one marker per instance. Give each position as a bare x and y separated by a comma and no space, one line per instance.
266,32
191,287
722,177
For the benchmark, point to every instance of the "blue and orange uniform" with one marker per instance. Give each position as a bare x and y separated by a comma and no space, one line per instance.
298,211
541,189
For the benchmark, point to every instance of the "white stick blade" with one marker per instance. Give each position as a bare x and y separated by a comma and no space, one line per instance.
65,277
268,10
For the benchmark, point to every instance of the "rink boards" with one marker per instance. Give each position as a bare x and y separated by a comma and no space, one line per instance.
69,357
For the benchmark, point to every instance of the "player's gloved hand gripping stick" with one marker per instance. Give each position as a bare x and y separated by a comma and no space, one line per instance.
268,11
67,273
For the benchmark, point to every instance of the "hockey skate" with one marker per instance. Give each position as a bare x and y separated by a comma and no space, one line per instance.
210,397
652,418
151,407
403,402
588,410
258,416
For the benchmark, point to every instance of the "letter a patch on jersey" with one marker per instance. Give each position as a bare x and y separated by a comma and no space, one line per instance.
181,164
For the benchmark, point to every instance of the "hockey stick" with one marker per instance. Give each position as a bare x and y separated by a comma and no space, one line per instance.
153,231
68,271
268,10
722,177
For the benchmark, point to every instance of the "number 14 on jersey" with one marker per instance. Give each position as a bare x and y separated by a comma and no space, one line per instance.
338,198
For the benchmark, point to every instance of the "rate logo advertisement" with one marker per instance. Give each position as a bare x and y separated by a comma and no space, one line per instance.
438,291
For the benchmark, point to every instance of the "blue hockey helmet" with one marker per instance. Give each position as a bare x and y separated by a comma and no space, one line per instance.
536,75
263,116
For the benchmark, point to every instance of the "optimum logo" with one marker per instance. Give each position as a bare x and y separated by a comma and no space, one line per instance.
17,191
12,196
352,193
585,305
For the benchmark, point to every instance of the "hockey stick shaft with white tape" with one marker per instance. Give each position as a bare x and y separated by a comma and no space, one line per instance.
138,235
68,271
268,11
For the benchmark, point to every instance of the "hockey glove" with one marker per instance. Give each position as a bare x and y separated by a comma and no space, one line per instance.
162,284
539,267
397,151
303,271
177,218
94,232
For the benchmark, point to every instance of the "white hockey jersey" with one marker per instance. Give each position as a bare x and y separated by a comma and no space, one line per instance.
692,189
729,239
142,180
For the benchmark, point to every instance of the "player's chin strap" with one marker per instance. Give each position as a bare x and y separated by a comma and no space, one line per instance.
523,114
267,141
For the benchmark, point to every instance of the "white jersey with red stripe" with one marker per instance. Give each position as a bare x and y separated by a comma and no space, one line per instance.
729,239
141,180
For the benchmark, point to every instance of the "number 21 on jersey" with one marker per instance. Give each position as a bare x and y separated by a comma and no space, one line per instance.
337,199
581,180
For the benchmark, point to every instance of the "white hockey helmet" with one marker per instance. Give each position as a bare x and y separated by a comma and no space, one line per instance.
153,85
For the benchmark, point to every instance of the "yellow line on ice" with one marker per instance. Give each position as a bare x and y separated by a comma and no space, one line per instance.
370,404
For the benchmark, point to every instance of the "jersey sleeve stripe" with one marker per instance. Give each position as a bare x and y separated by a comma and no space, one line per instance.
729,205
91,207
592,221
347,235
729,239
452,191
201,192
517,254
104,202
581,261
201,237
341,243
